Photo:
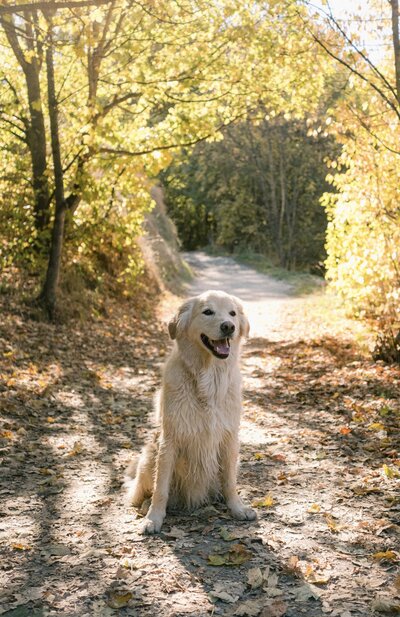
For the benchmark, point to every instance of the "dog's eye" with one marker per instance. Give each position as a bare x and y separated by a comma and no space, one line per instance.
233,313
208,312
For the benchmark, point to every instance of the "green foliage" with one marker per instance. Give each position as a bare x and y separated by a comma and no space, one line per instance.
131,84
364,230
257,189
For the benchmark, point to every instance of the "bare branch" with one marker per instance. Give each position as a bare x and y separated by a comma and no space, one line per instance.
360,75
122,152
63,4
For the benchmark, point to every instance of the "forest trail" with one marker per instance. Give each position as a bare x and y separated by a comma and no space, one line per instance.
319,461
263,297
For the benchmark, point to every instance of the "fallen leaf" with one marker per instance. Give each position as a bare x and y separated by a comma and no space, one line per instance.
292,564
277,608
217,560
5,434
250,608
226,534
332,524
265,502
385,556
272,580
57,550
385,604
177,533
390,472
255,578
305,592
19,546
237,555
118,599
77,449
224,596
227,592
314,508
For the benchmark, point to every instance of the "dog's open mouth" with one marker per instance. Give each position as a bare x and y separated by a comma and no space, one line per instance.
220,348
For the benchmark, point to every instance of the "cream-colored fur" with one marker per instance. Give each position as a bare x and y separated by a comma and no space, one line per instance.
194,453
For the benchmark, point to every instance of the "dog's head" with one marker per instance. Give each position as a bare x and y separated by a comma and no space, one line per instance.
214,320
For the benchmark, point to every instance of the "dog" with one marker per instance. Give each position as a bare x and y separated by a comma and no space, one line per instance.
193,456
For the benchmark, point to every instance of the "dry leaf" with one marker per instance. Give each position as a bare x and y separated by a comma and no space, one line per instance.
250,608
177,533
237,555
385,556
77,449
386,604
265,502
332,524
314,508
19,546
226,534
277,608
305,592
254,578
119,599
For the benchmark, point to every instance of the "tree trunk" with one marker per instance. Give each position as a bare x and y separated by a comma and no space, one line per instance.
37,148
396,43
36,133
49,292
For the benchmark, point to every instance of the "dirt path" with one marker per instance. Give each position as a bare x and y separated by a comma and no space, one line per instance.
319,460
265,299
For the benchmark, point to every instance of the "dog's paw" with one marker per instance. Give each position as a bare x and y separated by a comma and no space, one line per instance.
244,513
151,525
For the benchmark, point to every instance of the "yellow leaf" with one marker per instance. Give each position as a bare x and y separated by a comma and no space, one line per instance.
6,434
376,426
18,546
314,508
50,419
390,472
266,502
333,526
259,456
385,556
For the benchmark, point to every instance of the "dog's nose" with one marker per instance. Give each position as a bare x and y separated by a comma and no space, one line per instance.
227,328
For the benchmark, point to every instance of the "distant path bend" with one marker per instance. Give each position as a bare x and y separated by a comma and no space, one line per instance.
264,298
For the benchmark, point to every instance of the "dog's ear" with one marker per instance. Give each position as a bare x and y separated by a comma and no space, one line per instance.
181,320
244,326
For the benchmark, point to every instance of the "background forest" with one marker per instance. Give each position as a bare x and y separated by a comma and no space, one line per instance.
274,127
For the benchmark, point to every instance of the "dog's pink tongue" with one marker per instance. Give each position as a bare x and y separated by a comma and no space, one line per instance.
222,348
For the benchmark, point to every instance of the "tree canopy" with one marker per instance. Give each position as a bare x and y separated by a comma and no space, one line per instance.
99,97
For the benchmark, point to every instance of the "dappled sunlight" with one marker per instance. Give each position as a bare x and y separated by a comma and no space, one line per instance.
19,526
86,487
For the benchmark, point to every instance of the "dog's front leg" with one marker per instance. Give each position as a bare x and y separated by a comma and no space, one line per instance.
165,463
229,459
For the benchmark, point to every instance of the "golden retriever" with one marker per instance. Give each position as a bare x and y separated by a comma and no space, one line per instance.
194,454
